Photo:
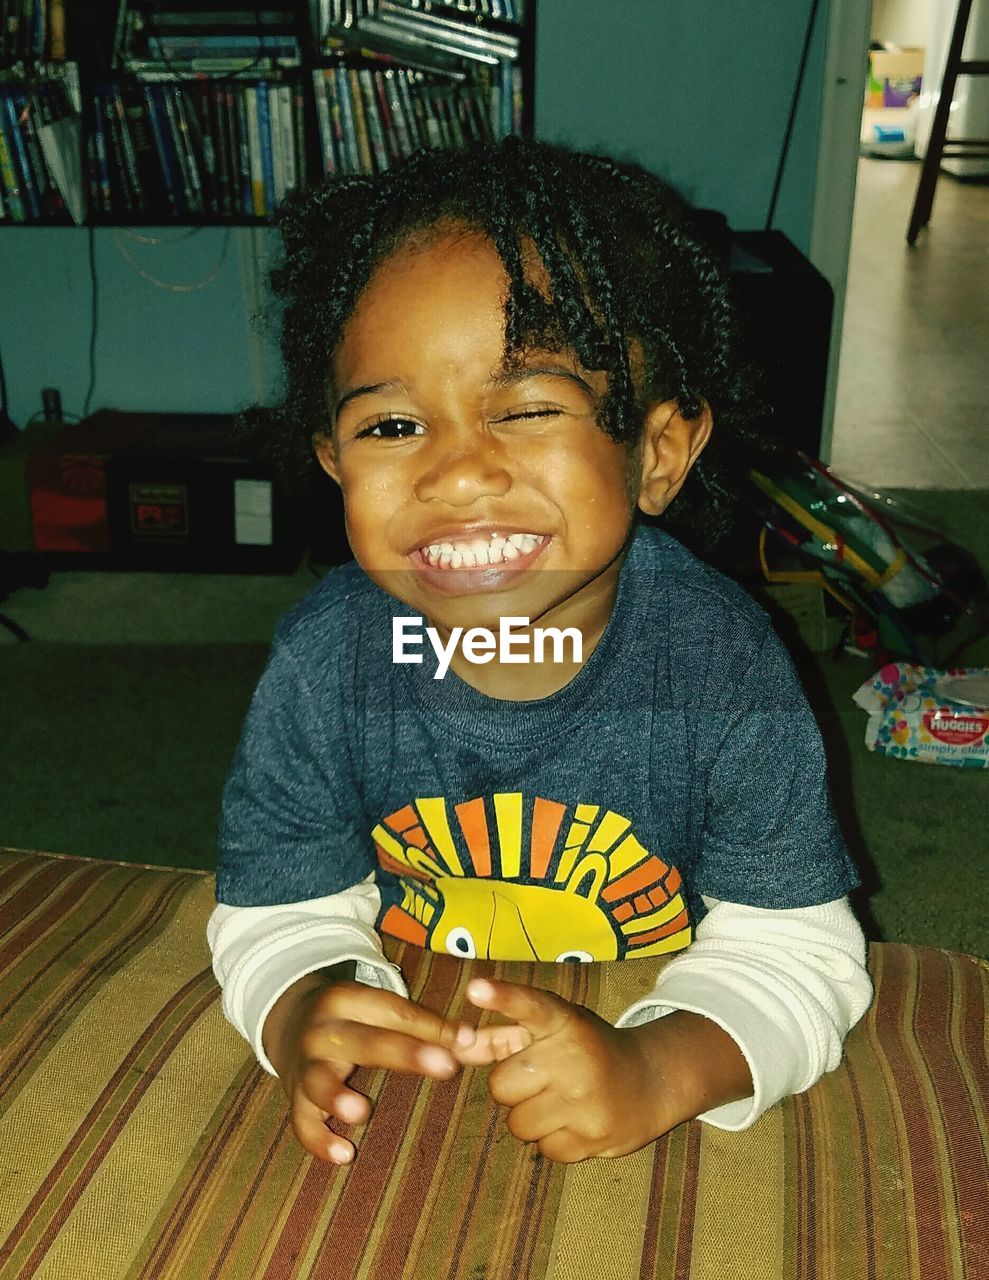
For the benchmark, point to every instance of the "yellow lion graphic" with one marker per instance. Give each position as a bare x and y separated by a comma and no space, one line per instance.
511,879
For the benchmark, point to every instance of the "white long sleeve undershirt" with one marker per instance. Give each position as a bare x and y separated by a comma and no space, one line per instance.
787,986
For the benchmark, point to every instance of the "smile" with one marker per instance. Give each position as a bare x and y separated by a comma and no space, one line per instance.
478,553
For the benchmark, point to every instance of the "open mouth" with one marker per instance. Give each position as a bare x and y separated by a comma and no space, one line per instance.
484,563
479,553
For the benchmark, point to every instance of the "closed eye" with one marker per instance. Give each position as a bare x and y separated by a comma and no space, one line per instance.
535,413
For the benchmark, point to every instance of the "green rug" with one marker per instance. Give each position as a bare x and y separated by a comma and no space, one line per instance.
917,831
120,751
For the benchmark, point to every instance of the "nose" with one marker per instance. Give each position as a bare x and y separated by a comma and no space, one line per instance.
508,934
462,470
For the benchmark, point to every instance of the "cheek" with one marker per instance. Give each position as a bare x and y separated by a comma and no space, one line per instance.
365,488
599,483
359,504
375,501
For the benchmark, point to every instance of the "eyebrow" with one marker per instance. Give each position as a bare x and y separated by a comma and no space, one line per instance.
510,378
392,384
501,381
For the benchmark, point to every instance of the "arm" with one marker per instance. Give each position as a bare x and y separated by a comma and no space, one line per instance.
293,827
785,987
260,952
308,985
784,980
757,1008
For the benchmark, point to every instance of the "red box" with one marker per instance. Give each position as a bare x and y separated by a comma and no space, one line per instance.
67,481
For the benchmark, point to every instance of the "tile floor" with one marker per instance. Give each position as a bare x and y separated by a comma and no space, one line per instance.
912,401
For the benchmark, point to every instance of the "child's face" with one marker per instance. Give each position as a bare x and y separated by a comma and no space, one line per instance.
469,494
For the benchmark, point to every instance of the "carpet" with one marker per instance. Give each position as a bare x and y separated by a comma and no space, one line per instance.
120,751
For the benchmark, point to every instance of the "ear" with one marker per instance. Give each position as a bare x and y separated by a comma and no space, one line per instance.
588,877
669,447
326,455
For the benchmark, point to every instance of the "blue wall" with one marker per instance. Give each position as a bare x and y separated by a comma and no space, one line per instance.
157,349
699,93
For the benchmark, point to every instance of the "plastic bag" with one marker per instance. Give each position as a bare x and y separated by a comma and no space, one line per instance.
878,563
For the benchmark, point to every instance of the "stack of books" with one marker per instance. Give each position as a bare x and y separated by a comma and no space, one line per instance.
411,74
31,31
184,39
349,13
40,160
205,116
417,35
203,148
369,117
506,10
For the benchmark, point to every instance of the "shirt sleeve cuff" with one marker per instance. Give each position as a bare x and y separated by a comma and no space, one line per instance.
738,1018
787,986
310,953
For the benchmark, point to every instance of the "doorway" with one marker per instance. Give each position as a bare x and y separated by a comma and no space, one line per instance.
912,391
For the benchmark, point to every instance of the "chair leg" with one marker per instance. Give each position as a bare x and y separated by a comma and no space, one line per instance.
924,199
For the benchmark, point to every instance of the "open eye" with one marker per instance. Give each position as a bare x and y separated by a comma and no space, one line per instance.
391,428
575,956
460,942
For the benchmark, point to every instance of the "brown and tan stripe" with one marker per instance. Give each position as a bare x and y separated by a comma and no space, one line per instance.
108,934
89,1145
139,1140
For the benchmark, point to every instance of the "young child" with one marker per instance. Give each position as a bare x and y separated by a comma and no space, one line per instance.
502,356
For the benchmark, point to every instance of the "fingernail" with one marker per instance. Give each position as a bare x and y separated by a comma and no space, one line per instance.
435,1060
349,1108
478,989
339,1153
466,1037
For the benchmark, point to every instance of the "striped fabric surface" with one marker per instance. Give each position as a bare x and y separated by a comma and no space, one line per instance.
138,1138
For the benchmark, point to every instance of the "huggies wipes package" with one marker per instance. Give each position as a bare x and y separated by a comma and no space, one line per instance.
935,717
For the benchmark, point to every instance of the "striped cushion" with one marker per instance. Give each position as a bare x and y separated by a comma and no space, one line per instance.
138,1138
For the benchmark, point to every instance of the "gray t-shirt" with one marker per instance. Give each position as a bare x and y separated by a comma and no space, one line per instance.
681,760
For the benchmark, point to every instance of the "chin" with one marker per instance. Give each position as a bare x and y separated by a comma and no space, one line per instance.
474,610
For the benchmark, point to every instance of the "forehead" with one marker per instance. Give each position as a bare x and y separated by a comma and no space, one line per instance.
438,296
423,274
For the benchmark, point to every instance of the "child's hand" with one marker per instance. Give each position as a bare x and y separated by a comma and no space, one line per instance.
579,1087
322,1032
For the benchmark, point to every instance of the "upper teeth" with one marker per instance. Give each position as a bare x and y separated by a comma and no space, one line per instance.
480,551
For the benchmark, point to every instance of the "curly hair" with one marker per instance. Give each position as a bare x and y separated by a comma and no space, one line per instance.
624,259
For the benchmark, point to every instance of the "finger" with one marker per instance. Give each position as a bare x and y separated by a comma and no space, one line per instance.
564,1147
359,1003
536,1118
344,1044
517,1078
322,1083
351,1107
310,1127
494,1044
540,1012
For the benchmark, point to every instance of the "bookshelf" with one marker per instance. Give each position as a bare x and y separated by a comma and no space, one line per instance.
206,112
